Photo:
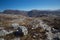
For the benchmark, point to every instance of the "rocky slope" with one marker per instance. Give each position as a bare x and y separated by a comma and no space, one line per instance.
37,28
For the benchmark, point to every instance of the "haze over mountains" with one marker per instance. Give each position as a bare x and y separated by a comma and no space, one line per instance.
32,13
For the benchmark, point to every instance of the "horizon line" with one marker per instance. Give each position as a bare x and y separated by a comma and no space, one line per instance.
31,9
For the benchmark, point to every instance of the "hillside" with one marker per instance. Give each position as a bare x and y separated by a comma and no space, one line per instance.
39,25
33,13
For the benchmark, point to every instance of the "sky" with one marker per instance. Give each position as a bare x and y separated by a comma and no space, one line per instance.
29,4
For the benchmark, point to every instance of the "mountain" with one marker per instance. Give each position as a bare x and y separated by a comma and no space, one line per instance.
38,13
32,13
15,12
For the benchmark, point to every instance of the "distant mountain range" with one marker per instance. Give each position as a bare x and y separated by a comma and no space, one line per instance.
32,13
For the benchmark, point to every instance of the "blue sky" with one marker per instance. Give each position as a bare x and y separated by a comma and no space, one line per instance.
29,4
